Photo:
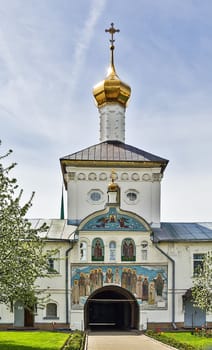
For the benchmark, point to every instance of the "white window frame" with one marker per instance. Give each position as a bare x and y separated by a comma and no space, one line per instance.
197,261
53,316
112,250
130,201
54,260
144,250
84,250
97,191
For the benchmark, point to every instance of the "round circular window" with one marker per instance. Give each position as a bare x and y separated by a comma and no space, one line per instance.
95,196
131,196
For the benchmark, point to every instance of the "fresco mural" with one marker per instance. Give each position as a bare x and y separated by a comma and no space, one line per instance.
147,283
97,249
128,250
113,221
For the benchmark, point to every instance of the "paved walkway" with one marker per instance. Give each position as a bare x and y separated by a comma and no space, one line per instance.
123,342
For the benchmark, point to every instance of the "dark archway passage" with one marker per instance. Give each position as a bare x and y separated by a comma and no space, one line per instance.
111,308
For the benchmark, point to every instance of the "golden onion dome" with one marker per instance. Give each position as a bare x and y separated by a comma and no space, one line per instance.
113,187
112,89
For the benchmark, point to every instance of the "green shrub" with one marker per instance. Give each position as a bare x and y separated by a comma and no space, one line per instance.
75,341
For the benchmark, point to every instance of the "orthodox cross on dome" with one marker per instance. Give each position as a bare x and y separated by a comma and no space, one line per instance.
112,31
113,175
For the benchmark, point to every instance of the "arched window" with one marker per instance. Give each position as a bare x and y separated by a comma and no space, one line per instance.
144,247
51,265
112,251
97,249
128,250
51,310
54,263
83,251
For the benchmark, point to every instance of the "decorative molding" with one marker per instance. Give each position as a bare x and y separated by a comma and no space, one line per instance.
124,176
81,176
146,177
92,176
135,177
103,176
156,177
71,176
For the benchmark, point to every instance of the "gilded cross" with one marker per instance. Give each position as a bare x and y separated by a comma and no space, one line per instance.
113,175
112,31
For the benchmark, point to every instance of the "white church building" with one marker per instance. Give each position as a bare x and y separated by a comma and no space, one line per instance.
119,266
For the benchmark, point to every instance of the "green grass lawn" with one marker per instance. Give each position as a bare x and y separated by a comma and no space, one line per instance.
187,337
32,340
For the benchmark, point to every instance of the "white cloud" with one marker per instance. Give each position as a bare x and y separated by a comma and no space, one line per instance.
40,83
84,40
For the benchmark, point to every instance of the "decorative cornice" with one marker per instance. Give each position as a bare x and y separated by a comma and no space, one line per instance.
111,164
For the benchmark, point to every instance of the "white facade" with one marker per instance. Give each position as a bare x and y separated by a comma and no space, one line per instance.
61,291
144,183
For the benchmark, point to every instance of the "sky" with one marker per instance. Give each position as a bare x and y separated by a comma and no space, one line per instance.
52,53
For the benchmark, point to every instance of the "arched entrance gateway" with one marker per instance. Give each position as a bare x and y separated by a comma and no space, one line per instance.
111,307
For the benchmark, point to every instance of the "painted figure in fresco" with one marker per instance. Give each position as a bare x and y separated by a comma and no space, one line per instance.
91,281
102,221
125,249
95,279
129,280
109,276
97,249
131,249
164,294
124,278
87,285
128,249
122,222
117,278
139,287
159,284
145,291
99,278
112,218
75,292
82,284
151,293
133,282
